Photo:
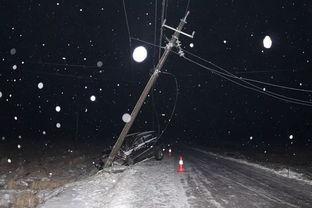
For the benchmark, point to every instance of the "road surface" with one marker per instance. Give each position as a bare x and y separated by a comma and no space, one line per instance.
209,181
220,182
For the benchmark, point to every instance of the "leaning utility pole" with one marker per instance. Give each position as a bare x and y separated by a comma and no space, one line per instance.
147,88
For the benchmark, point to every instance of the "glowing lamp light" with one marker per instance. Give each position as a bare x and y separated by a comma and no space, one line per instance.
267,42
139,54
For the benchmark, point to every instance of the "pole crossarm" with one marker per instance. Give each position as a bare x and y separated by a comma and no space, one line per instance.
145,92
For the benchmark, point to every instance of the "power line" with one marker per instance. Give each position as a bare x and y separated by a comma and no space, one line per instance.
143,41
247,79
253,87
127,23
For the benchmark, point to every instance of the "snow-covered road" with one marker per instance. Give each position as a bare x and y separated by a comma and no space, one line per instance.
209,181
229,183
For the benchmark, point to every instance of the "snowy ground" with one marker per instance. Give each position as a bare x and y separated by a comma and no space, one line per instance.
148,184
210,180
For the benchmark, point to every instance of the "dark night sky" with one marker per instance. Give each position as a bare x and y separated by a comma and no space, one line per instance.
59,44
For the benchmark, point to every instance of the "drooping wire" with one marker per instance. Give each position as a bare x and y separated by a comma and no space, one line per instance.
175,102
253,87
247,79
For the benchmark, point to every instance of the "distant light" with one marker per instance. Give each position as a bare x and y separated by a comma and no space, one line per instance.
126,117
251,138
3,138
58,125
40,85
224,41
9,160
64,58
13,51
14,67
267,42
264,89
57,108
15,118
99,64
19,146
44,132
191,45
92,98
0,94
291,136
139,54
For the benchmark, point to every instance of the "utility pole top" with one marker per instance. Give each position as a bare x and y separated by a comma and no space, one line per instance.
177,29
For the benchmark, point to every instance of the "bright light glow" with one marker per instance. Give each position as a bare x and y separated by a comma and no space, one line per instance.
14,67
267,42
191,45
58,125
57,108
9,160
251,138
92,98
126,117
139,54
40,85
291,136
0,94
19,146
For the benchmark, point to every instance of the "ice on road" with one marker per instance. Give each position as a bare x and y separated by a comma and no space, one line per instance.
209,181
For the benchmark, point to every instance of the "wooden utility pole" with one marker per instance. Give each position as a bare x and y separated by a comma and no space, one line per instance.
147,89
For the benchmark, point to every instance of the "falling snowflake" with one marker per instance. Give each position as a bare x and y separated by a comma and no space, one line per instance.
9,160
57,108
251,138
92,98
99,64
19,146
126,117
13,51
291,136
267,42
40,85
58,125
14,67
44,132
